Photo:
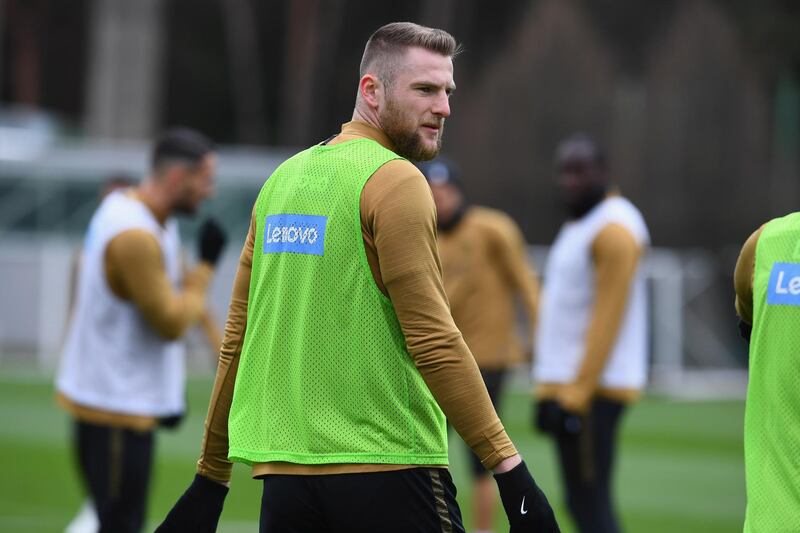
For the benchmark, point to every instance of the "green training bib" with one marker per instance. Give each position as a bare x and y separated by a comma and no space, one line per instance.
325,376
772,414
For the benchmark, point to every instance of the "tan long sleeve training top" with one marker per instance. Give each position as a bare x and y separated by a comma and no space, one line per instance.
485,269
743,277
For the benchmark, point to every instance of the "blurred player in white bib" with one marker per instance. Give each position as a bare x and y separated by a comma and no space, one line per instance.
122,369
591,341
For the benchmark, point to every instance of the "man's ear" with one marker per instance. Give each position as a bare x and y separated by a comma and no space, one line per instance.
173,177
371,90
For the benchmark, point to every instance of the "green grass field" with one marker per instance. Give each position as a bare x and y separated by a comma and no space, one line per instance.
680,465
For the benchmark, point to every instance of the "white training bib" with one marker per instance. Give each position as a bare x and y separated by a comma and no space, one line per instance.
113,359
568,299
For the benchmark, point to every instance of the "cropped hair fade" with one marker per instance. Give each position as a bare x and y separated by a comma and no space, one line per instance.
180,145
390,41
586,144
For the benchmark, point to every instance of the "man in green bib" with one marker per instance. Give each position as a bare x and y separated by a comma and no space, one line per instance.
340,359
767,283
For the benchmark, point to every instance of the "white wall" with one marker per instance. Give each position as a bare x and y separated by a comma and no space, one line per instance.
34,297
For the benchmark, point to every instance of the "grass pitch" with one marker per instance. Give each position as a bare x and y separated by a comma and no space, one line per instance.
680,464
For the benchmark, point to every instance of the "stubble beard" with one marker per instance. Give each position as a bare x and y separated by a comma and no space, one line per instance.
186,209
405,138
185,206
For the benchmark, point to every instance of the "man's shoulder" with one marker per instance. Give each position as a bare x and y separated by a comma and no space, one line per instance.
399,172
620,210
397,183
404,166
120,204
120,213
788,222
490,219
621,205
132,242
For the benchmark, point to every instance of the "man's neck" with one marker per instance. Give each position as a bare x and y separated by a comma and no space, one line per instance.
360,129
587,203
366,116
454,221
150,195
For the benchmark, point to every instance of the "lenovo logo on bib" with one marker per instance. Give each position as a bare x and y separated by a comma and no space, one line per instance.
298,234
784,284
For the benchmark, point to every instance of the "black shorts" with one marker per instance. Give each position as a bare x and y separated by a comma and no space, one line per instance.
494,380
419,500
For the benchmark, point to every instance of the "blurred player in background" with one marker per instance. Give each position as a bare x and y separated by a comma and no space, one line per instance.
86,521
122,368
484,270
767,283
591,341
334,391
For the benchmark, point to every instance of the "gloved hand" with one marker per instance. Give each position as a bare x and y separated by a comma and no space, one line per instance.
198,510
745,330
575,398
171,421
526,505
211,241
551,417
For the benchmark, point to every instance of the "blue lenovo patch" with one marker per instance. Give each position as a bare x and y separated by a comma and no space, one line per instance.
784,284
297,234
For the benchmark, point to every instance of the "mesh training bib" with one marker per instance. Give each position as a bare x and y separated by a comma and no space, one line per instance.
772,414
324,375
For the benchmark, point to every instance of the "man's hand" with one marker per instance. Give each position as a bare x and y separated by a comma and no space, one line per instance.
211,241
550,417
745,330
198,510
575,398
525,504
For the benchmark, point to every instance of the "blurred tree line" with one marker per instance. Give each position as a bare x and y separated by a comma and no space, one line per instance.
697,101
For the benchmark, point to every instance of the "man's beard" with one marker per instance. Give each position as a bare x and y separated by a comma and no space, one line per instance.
578,207
405,138
185,207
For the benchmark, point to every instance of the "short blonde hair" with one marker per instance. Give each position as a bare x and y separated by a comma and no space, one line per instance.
389,42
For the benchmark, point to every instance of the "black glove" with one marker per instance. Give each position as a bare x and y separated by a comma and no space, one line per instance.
212,241
745,330
198,510
171,421
526,505
551,418
174,420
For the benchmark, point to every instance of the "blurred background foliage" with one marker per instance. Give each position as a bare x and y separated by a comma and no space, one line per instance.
696,100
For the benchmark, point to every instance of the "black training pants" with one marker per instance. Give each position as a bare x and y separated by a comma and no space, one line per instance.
421,500
116,465
587,462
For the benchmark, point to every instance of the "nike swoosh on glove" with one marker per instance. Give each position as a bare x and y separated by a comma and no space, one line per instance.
526,505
